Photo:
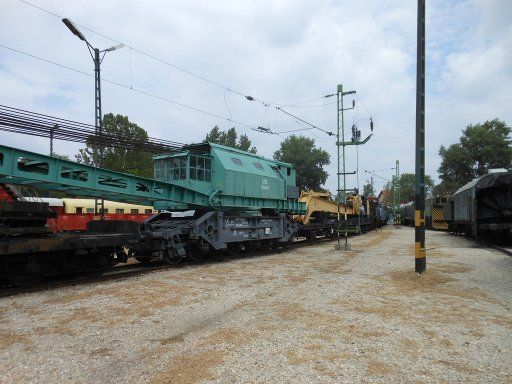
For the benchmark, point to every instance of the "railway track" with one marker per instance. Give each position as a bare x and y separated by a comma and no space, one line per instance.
506,250
123,271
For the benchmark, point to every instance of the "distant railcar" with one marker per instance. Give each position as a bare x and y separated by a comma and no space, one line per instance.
407,213
434,213
483,208
74,214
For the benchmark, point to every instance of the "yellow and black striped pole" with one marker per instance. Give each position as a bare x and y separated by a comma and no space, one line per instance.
419,214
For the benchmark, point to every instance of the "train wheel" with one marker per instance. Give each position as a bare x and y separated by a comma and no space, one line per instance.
234,250
171,258
311,236
141,257
219,255
196,256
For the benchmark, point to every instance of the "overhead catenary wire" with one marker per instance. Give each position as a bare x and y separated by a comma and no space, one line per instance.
163,61
162,98
177,67
36,124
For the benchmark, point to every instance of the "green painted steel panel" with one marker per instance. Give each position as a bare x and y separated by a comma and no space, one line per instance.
245,189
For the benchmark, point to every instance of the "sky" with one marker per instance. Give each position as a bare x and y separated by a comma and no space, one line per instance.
280,51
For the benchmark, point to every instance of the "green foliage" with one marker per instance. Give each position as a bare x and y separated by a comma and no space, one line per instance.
62,157
307,160
407,185
480,148
368,190
118,159
229,138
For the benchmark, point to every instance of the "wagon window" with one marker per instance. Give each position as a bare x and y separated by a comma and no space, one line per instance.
159,169
236,161
89,210
277,172
258,166
200,168
119,211
178,168
134,211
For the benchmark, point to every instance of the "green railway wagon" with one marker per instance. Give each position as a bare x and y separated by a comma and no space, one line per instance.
233,179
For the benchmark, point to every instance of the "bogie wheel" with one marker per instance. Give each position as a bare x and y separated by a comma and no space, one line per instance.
144,260
171,258
141,257
234,250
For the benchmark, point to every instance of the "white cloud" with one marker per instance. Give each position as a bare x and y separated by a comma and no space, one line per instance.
283,51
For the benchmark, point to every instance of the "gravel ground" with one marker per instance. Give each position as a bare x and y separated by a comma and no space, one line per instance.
307,315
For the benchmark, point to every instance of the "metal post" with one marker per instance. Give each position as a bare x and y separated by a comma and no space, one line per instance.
397,173
341,171
419,214
97,103
355,141
99,204
52,131
338,196
340,91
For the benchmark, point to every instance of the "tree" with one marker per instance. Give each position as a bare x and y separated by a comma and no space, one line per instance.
368,190
229,139
62,157
407,185
307,160
480,148
119,159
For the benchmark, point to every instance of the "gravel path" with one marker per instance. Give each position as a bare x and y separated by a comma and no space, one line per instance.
308,315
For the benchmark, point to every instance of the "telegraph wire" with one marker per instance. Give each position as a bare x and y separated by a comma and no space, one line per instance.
17,120
305,122
201,77
130,87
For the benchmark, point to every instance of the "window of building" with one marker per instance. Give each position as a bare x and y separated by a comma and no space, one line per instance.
200,168
134,211
236,161
149,210
119,210
258,166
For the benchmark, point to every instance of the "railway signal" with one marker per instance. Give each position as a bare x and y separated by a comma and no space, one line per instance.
340,142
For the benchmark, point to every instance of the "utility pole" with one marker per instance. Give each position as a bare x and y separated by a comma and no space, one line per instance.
420,263
396,195
97,58
52,131
340,142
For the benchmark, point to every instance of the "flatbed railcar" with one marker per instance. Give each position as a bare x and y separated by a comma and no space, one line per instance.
238,200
